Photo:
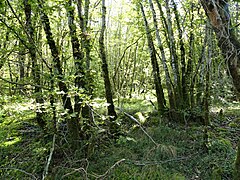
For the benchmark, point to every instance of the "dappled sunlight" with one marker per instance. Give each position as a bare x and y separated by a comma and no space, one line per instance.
119,89
10,141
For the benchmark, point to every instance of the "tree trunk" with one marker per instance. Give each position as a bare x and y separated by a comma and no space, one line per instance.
218,14
219,17
67,104
156,73
22,57
132,84
78,59
183,90
85,44
35,66
174,58
108,90
172,102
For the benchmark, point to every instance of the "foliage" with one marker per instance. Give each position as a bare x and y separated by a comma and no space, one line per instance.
55,121
25,149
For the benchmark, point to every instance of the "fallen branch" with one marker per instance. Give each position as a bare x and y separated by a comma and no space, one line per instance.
141,127
78,169
152,163
111,168
45,173
29,174
75,170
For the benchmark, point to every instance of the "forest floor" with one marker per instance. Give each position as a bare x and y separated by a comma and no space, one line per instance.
160,150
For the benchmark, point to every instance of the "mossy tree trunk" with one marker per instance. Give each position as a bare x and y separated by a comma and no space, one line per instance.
220,19
219,16
72,123
108,90
35,65
169,83
155,68
83,16
78,59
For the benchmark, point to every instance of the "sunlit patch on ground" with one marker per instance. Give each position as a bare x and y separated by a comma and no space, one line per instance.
10,141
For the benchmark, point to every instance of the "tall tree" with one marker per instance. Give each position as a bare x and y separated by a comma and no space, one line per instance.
172,102
220,19
85,44
219,16
66,100
108,91
35,65
174,56
78,59
155,68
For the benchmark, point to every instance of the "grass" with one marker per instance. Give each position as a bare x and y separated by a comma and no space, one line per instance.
177,155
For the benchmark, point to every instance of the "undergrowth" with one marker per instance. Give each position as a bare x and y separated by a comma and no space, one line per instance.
161,150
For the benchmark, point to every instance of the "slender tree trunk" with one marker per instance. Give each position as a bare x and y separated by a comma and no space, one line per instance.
183,91
174,57
85,44
172,103
132,84
22,57
156,73
67,104
206,96
108,91
35,66
207,79
193,85
164,21
11,78
78,59
86,36
189,70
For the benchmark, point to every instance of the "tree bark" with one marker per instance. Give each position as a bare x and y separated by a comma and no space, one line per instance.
174,58
108,91
85,44
172,102
35,66
183,91
72,123
156,73
219,17
22,58
78,59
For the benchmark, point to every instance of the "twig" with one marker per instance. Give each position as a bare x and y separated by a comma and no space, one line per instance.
25,31
124,52
23,84
34,177
111,168
92,112
45,173
85,169
135,120
75,170
151,163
